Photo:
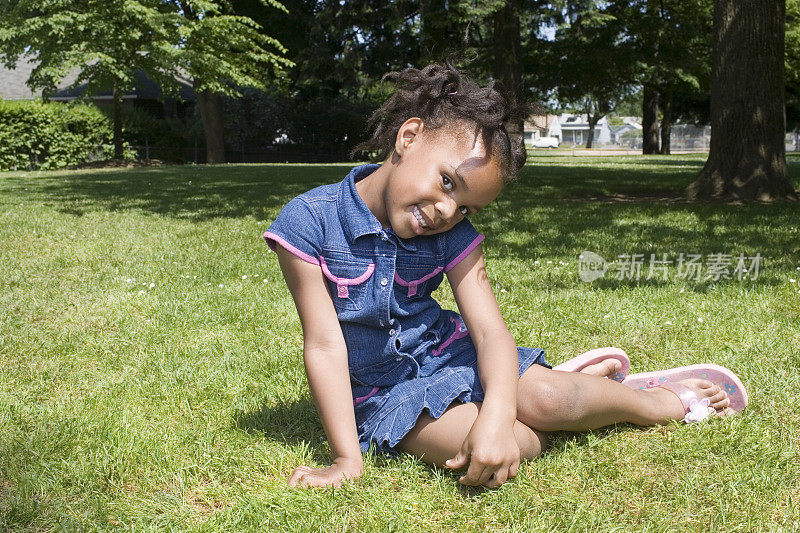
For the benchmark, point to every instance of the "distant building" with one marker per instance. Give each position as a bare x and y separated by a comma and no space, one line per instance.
575,130
144,96
538,126
629,133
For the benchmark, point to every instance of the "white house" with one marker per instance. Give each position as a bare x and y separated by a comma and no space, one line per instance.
538,126
575,130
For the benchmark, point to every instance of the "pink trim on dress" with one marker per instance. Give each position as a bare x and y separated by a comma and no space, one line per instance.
362,399
412,285
457,334
465,253
342,283
270,237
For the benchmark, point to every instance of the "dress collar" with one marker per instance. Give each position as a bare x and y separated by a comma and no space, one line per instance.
355,216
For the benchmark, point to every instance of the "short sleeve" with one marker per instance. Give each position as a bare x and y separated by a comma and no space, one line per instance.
299,229
460,241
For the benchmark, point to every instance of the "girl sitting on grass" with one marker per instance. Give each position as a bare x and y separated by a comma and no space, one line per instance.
390,369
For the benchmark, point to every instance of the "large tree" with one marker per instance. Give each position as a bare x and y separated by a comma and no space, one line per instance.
747,159
108,41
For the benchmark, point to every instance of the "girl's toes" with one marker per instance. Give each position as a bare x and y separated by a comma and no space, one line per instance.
717,396
721,404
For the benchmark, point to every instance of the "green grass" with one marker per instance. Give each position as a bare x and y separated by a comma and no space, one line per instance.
151,368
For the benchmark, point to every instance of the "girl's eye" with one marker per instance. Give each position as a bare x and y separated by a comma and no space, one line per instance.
464,210
447,182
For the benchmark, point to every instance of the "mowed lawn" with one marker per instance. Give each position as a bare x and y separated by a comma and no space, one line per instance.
151,369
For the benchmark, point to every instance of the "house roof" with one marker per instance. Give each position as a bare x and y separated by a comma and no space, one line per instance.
571,121
13,85
540,121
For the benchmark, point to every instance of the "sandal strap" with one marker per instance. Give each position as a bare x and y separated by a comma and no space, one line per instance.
694,408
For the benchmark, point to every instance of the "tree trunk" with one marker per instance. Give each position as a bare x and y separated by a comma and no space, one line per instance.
508,64
649,120
746,159
666,120
210,104
593,120
118,148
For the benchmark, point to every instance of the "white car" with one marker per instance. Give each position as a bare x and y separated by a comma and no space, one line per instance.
545,142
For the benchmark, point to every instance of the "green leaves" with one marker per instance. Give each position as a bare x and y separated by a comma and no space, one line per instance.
50,135
111,40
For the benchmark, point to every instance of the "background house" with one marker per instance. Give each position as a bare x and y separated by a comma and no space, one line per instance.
543,125
575,130
146,94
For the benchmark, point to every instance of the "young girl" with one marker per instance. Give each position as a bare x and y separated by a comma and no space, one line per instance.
387,366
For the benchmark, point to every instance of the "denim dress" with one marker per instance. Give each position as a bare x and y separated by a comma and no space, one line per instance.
405,353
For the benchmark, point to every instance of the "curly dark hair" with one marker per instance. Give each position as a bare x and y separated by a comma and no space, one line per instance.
442,96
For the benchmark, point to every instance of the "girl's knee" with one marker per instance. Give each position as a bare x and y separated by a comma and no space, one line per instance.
546,402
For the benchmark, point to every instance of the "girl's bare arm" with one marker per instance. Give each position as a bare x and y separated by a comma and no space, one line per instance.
325,358
490,448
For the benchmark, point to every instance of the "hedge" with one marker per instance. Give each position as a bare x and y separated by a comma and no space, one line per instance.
50,135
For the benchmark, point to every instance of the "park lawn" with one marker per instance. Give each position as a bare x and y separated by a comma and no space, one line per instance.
151,365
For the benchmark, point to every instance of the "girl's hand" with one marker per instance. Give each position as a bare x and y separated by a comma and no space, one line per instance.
330,476
491,451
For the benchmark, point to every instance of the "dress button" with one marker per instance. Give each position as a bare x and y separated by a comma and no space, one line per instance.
391,332
384,281
398,358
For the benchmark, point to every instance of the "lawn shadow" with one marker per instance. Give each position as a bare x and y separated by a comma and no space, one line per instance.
292,423
558,208
558,228
195,193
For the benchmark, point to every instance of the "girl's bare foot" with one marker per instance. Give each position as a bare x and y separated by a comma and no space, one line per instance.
667,406
604,369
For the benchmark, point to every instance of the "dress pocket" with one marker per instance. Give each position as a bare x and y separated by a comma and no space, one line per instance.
347,281
413,281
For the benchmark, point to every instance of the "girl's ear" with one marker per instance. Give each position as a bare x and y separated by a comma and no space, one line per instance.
407,134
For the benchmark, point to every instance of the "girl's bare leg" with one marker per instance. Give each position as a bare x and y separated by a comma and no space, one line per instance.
549,400
437,440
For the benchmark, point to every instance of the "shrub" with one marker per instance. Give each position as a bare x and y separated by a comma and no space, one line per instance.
50,135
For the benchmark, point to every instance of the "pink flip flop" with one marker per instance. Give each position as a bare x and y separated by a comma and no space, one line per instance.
598,355
719,375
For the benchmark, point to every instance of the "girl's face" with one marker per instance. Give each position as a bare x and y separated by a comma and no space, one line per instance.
437,178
